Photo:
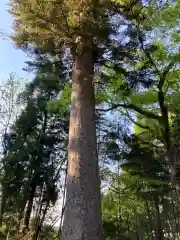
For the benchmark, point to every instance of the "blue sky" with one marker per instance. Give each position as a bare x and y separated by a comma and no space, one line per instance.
11,59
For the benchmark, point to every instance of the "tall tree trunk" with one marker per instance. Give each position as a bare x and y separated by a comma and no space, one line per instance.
21,206
82,216
40,221
159,230
21,216
2,206
171,228
176,218
169,147
30,203
150,225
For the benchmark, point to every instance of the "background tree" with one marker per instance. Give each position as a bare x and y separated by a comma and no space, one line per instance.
31,165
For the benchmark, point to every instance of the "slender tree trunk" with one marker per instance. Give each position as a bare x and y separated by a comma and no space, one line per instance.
150,225
137,229
82,216
40,221
159,230
63,205
30,204
21,217
21,207
171,228
176,219
170,149
2,207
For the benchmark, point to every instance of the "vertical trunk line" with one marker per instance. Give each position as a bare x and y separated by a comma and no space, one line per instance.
149,219
30,204
170,153
159,230
82,216
2,206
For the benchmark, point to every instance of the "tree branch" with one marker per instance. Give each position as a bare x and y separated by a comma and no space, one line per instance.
164,74
136,123
147,53
133,107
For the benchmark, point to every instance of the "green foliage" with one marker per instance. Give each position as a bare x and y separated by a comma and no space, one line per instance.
62,104
30,151
140,201
122,208
51,24
147,98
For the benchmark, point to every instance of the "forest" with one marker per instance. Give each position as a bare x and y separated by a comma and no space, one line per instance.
90,146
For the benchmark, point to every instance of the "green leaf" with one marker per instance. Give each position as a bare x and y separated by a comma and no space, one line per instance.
145,98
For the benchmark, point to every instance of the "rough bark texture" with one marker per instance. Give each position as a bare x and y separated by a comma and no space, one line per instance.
82,216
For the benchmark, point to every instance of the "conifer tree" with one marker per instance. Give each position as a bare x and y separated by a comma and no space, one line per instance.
84,28
30,166
80,26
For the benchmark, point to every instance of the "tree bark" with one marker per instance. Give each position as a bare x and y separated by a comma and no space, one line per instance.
170,149
82,216
2,207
